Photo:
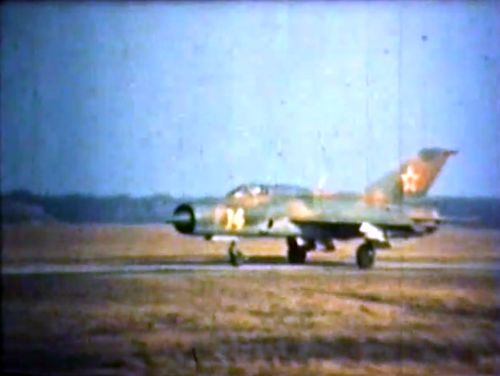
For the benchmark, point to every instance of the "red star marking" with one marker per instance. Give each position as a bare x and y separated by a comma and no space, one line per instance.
409,179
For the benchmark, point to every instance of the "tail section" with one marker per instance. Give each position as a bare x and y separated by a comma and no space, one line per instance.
412,179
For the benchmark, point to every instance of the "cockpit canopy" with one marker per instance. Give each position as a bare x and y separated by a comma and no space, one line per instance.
254,190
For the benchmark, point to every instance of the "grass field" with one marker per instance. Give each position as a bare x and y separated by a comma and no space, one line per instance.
114,243
297,322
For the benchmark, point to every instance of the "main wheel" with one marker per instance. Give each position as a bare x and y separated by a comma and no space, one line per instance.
365,256
296,253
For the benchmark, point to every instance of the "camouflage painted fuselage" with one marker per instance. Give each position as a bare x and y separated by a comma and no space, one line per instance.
308,216
260,210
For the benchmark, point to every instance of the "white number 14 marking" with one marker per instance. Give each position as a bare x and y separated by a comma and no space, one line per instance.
235,219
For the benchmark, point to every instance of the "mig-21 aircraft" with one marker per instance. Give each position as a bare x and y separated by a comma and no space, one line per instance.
310,219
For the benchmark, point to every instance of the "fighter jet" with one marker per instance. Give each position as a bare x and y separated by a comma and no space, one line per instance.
309,219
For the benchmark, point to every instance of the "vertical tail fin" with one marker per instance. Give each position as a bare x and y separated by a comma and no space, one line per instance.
412,179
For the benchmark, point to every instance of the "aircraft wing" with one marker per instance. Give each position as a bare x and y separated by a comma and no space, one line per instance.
372,226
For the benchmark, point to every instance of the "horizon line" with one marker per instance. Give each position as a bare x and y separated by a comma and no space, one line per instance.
175,197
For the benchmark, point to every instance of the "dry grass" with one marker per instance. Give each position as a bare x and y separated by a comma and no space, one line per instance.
84,243
295,322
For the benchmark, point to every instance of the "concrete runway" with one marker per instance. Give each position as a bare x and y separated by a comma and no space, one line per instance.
340,268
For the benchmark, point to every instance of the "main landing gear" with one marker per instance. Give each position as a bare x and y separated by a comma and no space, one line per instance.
297,253
365,255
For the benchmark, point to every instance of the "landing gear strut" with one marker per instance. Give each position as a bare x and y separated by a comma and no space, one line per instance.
365,255
297,253
236,257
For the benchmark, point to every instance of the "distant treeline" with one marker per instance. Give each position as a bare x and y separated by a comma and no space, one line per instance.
484,210
23,206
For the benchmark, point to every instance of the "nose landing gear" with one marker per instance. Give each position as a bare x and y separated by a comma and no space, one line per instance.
236,257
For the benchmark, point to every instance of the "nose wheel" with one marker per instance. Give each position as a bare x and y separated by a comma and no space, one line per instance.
365,255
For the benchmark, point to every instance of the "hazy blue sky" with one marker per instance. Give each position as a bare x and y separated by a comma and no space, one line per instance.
193,99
